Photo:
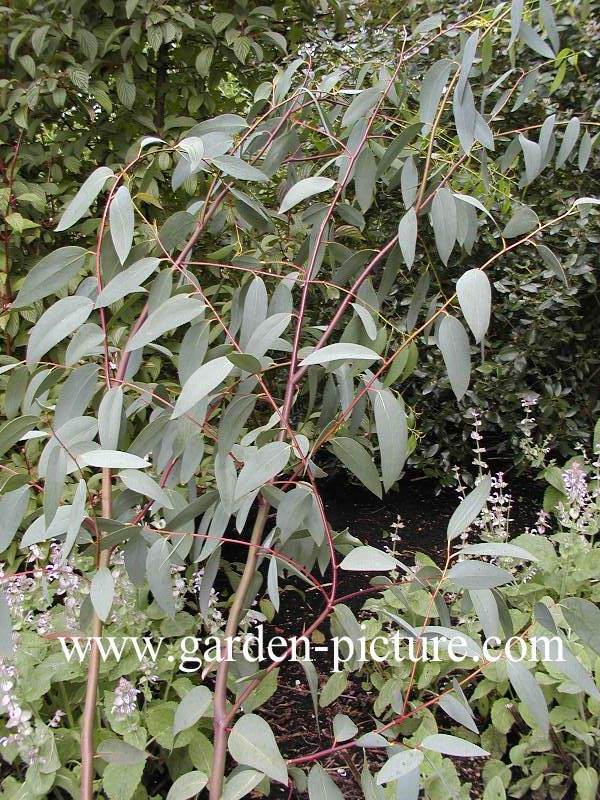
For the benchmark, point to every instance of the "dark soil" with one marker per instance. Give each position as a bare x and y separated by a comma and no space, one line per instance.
425,515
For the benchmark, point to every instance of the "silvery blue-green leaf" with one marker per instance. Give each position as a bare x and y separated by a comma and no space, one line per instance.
392,435
102,591
516,15
304,189
343,351
458,711
368,559
360,106
171,314
201,383
561,659
432,88
468,57
466,118
409,182
454,344
143,484
583,201
358,460
6,643
497,550
75,519
111,459
343,728
109,418
116,751
88,340
14,429
584,617
187,786
50,275
364,178
568,142
57,322
469,508
452,746
231,165
84,198
372,740
158,575
149,140
55,481
262,466
529,692
321,786
475,297
367,320
522,221
240,784
532,154
585,151
535,41
251,742
13,506
443,219
398,765
549,23
551,261
471,574
407,236
266,334
273,583
128,281
193,147
122,222
75,395
486,608
193,706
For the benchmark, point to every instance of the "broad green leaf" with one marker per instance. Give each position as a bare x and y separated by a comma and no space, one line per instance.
102,591
187,786
470,574
84,198
529,692
127,282
392,435
231,165
171,314
456,351
469,508
50,275
201,383
261,466
343,351
452,746
358,460
57,322
158,575
143,484
475,297
586,780
407,236
443,219
304,189
193,706
115,751
398,765
251,742
368,559
321,786
122,222
112,459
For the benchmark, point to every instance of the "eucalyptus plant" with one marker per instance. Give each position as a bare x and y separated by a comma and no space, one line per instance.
210,336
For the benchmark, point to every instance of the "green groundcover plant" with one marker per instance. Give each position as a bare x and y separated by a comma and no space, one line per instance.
208,337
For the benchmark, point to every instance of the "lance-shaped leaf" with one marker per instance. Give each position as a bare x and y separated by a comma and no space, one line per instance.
407,236
343,351
111,459
201,383
143,484
266,334
122,222
398,765
84,197
6,643
392,435
171,314
472,574
109,418
13,506
262,466
188,786
15,429
584,617
193,706
303,190
532,153
321,786
443,219
57,322
101,592
231,165
529,692
368,559
158,575
50,275
127,282
251,742
475,297
568,142
115,751
241,783
469,508
454,344
452,746
432,88
358,460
